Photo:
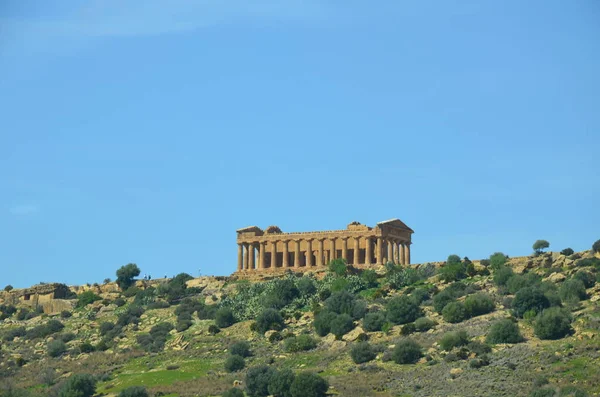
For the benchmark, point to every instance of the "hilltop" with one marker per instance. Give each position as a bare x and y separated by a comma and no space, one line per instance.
495,327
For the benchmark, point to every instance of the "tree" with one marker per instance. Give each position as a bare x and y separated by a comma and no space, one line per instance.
452,259
257,381
407,351
8,288
322,322
269,319
504,331
80,385
567,251
126,274
134,391
341,325
402,310
497,260
596,247
572,290
552,323
234,363
281,382
479,304
540,245
530,298
307,384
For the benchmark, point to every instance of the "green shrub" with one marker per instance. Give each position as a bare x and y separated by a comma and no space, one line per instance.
156,339
423,324
370,278
572,290
552,323
504,331
44,330
419,295
299,343
530,298
134,391
80,385
56,348
8,288
567,252
454,312
86,347
408,329
453,259
587,278
407,351
362,352
65,314
373,321
224,317
241,348
502,275
183,324
233,392
588,262
343,302
571,391
544,392
520,281
453,339
306,286
257,381
130,316
441,299
87,298
497,260
281,383
234,363
126,274
479,304
341,325
596,247
105,327
452,272
338,267
540,245
322,322
402,310
307,384
213,329
402,277
269,319
478,348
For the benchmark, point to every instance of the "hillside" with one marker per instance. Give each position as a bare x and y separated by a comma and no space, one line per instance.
497,327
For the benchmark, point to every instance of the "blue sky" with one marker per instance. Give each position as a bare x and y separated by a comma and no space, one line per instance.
149,131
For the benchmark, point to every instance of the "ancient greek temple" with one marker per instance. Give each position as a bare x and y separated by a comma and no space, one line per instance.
360,245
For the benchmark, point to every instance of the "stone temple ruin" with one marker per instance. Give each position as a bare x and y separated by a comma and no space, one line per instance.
51,297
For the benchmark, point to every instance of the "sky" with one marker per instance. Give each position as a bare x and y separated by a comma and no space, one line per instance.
149,131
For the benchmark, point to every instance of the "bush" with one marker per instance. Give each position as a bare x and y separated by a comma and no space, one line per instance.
497,260
224,317
183,324
13,333
552,323
454,339
126,274
281,382
86,347
544,392
479,304
234,363
134,391
517,282
369,276
87,298
454,312
299,343
8,288
402,277
269,319
408,329
241,348
105,327
306,286
504,331
572,290
402,310
322,322
530,298
540,245
362,352
587,278
307,384
452,272
80,385
453,259
44,330
373,321
341,325
213,329
407,351
567,252
479,348
342,302
338,267
596,247
130,316
441,299
423,324
119,302
65,314
56,348
592,262
233,392
502,275
419,295
257,381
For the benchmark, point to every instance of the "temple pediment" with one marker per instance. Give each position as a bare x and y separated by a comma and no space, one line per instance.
250,229
396,223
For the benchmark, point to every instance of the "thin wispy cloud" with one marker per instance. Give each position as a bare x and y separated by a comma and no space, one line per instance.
24,209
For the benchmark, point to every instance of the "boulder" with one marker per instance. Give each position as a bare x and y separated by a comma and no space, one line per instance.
556,277
353,335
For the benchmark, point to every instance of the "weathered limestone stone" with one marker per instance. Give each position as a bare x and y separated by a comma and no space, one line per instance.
556,277
353,335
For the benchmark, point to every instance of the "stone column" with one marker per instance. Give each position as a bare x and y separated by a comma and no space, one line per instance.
356,250
345,248
285,253
320,255
240,256
402,254
297,253
261,254
408,253
251,256
309,253
396,253
274,255
368,251
332,250
246,255
390,253
379,251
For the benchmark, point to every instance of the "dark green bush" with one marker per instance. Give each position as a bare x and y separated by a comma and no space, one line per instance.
479,348
407,351
408,329
402,310
120,302
86,347
241,348
567,251
257,381
504,331
338,267
454,339
373,321
502,275
322,322
362,352
571,391
520,281
423,324
455,312
65,314
44,330
307,384
281,383
552,323
269,319
587,278
441,299
343,302
126,275
8,288
306,286
134,391
529,298
497,260
156,339
479,304
572,290
130,316
87,298
588,262
453,259
420,295
56,348
540,245
233,392
369,276
299,343
80,385
13,333
543,392
234,363
341,325
452,272
183,324
213,329
105,327
224,317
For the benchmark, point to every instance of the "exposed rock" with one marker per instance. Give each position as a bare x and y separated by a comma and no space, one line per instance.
556,277
353,335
